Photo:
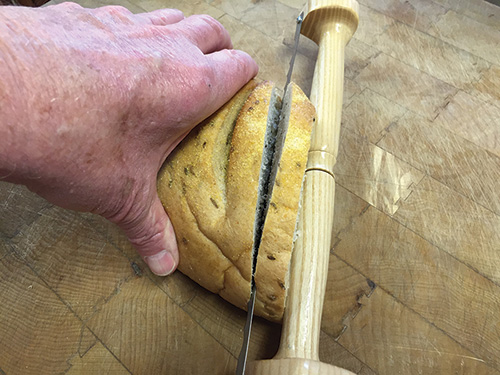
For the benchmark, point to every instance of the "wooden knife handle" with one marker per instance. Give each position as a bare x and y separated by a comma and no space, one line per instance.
331,24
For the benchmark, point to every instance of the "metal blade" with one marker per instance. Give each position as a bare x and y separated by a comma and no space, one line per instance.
277,126
300,18
242,359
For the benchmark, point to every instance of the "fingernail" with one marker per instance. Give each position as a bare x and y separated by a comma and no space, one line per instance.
161,264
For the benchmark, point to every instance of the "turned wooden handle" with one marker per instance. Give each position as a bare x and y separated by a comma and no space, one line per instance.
331,24
294,366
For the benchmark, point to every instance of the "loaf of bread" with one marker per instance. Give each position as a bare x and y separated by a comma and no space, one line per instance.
208,186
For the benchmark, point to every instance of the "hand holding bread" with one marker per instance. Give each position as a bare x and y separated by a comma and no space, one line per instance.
208,185
93,101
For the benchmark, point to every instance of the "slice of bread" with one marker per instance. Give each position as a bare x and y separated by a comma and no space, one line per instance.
208,186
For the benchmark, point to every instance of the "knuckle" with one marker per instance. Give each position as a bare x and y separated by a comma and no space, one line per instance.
214,25
167,13
144,237
205,25
143,226
113,10
69,5
147,235
118,9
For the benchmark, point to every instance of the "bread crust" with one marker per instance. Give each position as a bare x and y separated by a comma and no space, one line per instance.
208,186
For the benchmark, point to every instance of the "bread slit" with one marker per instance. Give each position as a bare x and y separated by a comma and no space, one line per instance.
274,140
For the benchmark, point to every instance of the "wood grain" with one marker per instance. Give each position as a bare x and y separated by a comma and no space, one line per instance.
413,283
462,303
482,11
488,87
170,347
431,55
463,228
407,86
374,174
345,287
392,339
418,14
82,268
97,360
37,331
370,114
465,167
460,117
371,24
330,351
12,197
470,35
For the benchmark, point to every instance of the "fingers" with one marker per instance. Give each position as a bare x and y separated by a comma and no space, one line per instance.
230,70
154,238
205,32
159,17
162,17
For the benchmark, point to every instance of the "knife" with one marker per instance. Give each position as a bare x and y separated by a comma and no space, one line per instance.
274,140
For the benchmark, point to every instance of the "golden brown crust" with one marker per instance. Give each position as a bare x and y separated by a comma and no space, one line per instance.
209,188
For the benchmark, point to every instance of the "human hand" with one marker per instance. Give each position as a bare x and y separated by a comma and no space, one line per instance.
95,100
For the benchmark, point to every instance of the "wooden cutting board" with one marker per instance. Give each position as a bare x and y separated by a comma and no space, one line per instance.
414,282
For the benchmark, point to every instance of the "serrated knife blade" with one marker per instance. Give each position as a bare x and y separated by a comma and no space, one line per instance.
274,140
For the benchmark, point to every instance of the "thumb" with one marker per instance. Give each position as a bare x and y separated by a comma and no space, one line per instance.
153,236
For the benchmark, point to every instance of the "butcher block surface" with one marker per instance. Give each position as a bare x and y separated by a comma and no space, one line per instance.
414,272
